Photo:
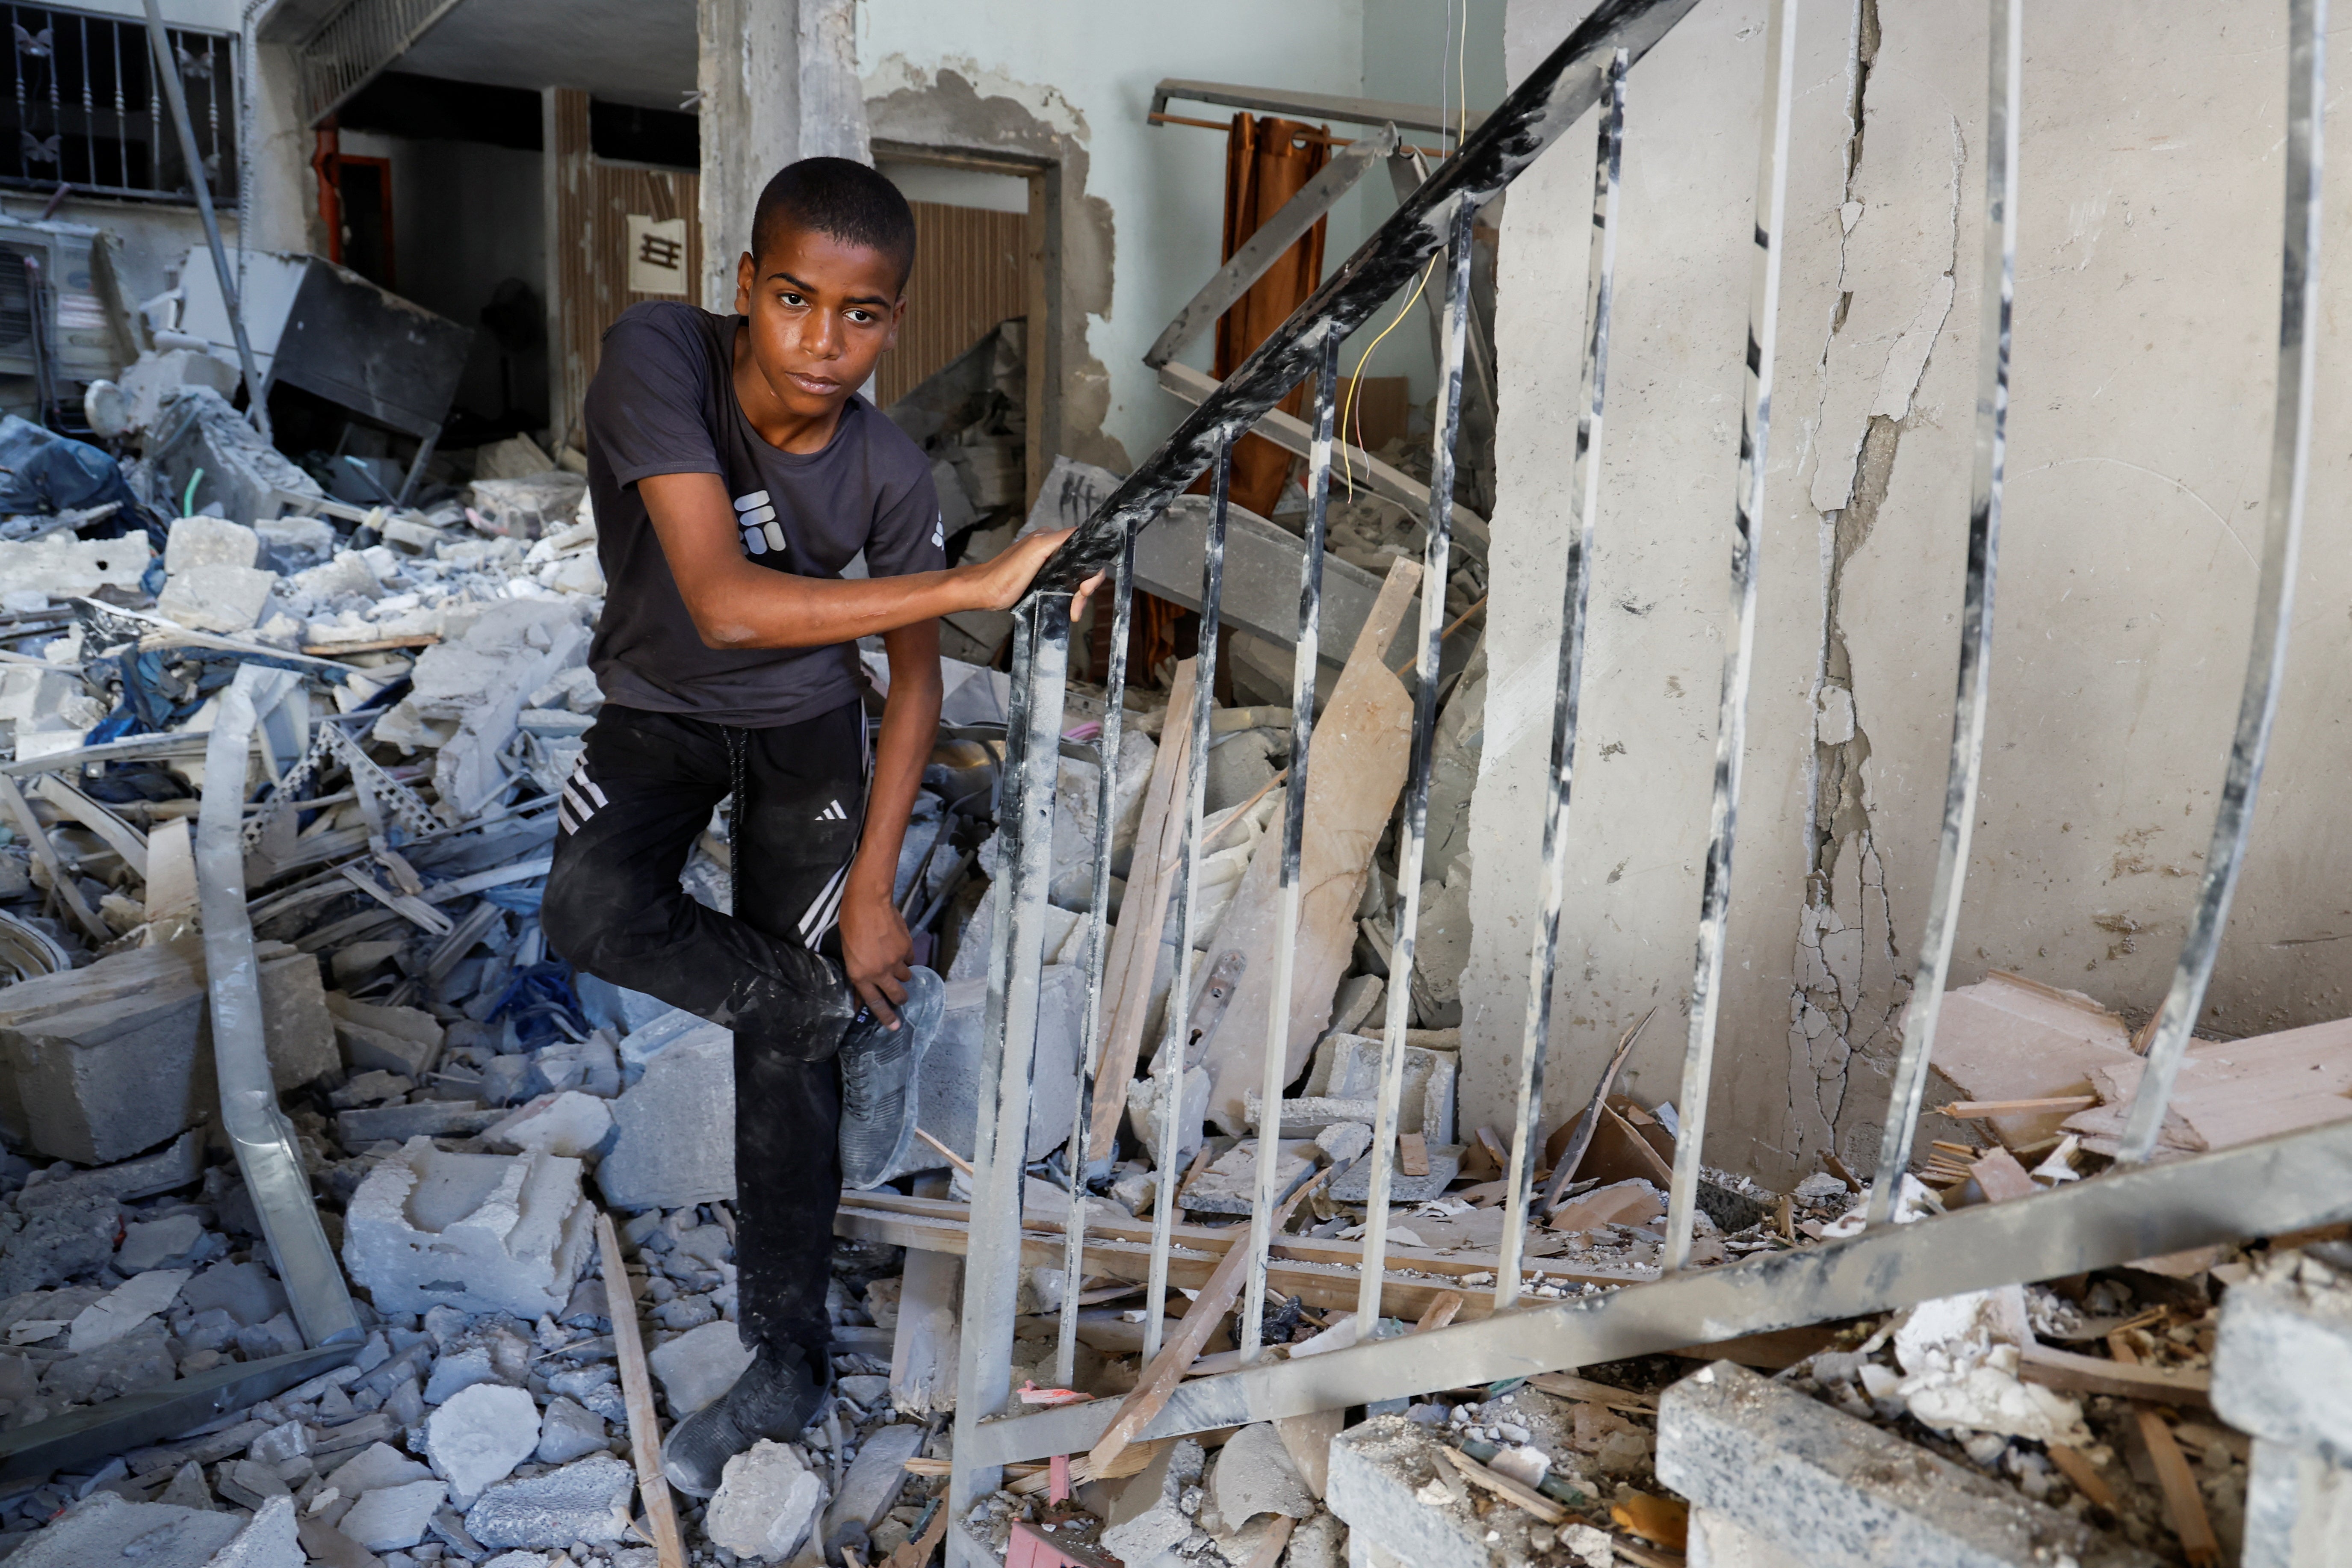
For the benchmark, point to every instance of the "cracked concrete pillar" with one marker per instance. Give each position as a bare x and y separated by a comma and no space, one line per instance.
778,82
2282,1372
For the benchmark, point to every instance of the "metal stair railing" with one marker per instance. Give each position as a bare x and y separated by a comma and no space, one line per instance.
2135,1211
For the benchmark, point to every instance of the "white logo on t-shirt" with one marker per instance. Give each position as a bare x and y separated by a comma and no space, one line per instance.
938,531
756,519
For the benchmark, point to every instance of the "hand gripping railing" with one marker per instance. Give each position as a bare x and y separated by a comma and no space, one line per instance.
2296,1180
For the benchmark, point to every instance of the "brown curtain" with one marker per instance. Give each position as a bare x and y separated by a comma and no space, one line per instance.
1266,162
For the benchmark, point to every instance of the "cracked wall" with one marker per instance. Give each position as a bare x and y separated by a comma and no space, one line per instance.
2147,302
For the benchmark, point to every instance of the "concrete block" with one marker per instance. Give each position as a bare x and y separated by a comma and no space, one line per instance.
198,427
765,1503
1310,1115
1390,1483
1145,1518
294,543
176,1165
393,1519
1144,1106
1230,1183
298,1030
210,542
1354,1185
587,1501
480,1436
950,1079
484,1232
527,507
160,1244
2283,1361
871,1488
404,1040
570,1123
1343,1141
673,1131
569,1431
99,1082
155,374
65,567
1348,1067
698,1366
217,598
457,1370
1776,1464
1254,1475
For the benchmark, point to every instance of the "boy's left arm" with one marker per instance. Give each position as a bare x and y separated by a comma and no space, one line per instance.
875,945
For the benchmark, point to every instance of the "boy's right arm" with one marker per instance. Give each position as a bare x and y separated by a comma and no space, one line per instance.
737,604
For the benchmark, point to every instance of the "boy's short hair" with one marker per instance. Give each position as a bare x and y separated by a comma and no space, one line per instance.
848,201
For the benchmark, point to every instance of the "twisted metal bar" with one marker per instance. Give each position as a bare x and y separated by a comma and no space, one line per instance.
2004,90
1293,827
1584,505
1122,592
1739,641
1041,648
2306,102
1176,1043
1416,804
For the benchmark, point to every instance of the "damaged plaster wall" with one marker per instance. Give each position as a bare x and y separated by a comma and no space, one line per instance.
2142,381
1141,204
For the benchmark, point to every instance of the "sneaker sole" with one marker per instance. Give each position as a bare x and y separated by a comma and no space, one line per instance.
913,1112
670,1470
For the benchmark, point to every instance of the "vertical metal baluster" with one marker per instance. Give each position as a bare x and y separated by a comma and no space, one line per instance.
1294,825
89,112
2234,822
1122,592
1041,649
122,109
1584,503
1415,840
1739,643
2004,96
1175,1045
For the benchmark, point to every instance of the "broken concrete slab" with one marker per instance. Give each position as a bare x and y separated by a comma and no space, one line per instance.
1143,1107
393,1519
587,1501
197,428
951,1076
662,1155
568,1431
209,542
246,1292
1348,1067
404,1040
105,1528
766,1500
64,567
1776,1464
480,1436
1230,1183
425,1118
173,1241
1256,1475
1354,1185
377,1465
219,597
2282,1372
487,1231
124,1307
1391,1483
698,1366
176,1165
871,1488
570,1123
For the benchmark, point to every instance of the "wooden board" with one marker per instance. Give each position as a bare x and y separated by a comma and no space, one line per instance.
637,1392
1143,916
2008,1038
1356,766
2233,1092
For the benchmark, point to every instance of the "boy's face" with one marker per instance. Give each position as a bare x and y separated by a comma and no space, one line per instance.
821,310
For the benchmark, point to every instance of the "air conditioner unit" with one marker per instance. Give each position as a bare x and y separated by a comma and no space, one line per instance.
84,328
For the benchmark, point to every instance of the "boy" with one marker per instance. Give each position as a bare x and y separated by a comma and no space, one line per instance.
735,473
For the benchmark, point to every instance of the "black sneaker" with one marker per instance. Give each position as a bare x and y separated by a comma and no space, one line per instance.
881,1079
776,1397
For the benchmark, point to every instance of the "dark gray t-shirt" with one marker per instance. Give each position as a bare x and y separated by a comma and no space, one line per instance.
663,402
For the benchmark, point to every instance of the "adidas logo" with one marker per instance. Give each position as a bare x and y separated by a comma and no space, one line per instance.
833,813
756,519
938,531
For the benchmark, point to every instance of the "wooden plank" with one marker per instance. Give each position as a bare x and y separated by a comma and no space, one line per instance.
2000,1178
1362,744
1143,916
638,1392
1503,1487
1568,1385
2183,1500
1975,1110
2083,1475
2070,1373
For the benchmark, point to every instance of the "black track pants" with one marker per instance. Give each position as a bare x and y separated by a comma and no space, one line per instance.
643,791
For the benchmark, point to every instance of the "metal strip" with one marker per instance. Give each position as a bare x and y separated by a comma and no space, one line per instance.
2258,1189
1416,804
1122,592
1547,100
1294,829
1584,506
2306,103
1312,105
2004,90
1175,1056
260,1134
1289,223
1739,641
1009,1041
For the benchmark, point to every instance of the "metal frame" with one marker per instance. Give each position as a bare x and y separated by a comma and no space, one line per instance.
1739,638
1296,105
1584,506
2298,349
2004,99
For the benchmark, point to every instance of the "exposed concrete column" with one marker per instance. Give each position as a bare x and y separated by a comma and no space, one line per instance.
779,82
2282,1372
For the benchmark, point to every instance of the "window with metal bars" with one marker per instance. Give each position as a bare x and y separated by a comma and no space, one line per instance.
84,107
